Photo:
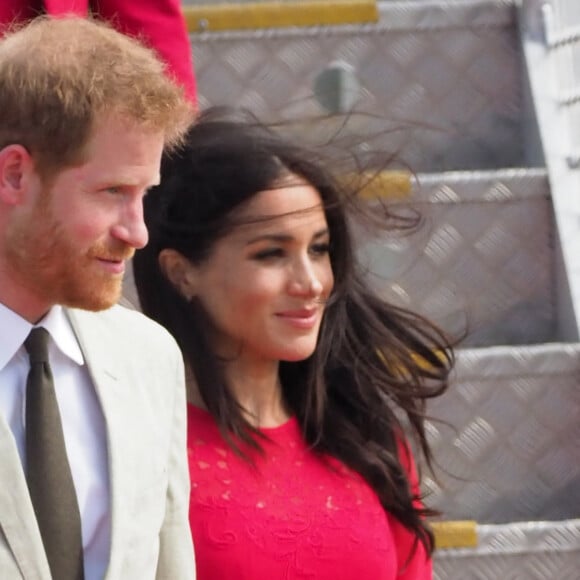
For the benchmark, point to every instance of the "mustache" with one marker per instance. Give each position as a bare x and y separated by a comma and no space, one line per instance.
112,252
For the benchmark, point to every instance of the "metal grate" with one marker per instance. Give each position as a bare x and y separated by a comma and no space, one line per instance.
482,262
440,82
528,551
512,452
551,41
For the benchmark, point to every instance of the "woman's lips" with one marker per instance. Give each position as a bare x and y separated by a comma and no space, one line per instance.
304,318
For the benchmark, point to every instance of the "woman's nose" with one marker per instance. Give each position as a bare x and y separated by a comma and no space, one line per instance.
305,281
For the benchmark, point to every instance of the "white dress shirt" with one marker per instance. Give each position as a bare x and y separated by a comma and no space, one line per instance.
82,420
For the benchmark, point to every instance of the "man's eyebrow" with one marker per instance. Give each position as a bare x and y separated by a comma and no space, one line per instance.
281,238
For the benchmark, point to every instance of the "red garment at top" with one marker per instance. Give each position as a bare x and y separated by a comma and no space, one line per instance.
160,23
292,516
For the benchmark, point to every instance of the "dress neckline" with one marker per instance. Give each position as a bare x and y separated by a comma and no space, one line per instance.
288,425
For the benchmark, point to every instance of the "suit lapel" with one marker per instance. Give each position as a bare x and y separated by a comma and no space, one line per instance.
17,519
99,349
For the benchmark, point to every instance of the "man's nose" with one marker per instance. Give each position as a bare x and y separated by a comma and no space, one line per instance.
131,227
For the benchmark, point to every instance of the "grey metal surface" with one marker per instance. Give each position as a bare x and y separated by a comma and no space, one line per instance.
482,262
513,451
441,79
523,551
551,44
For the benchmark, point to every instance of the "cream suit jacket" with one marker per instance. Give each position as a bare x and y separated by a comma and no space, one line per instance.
137,371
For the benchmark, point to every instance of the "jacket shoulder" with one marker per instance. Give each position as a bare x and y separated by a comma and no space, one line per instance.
129,326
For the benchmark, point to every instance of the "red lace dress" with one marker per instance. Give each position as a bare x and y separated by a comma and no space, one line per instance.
292,516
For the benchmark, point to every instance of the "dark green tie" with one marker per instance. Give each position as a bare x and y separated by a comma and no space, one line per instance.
48,473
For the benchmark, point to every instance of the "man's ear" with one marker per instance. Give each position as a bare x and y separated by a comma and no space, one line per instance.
179,271
16,173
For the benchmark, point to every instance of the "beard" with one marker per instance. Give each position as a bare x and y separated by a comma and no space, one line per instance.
47,263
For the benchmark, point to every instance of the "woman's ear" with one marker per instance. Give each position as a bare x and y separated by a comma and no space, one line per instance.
179,271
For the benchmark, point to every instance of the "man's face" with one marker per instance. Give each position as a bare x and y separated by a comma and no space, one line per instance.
68,244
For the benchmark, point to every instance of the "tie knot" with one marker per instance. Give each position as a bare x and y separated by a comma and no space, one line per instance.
37,345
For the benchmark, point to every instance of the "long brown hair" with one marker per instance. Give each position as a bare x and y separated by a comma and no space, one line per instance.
364,389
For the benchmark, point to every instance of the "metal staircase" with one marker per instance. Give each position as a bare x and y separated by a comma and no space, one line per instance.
455,89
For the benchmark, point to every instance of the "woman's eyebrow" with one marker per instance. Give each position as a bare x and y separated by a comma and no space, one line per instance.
283,237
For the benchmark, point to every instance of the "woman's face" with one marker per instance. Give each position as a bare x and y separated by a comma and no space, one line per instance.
265,284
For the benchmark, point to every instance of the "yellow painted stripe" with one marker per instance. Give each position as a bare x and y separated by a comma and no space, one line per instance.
455,534
389,184
255,15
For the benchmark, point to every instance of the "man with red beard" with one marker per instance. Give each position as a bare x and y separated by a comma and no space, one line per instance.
85,113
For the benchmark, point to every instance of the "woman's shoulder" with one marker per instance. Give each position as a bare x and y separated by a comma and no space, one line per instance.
200,421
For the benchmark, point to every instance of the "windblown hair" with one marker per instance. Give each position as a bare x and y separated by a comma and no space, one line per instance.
363,391
60,76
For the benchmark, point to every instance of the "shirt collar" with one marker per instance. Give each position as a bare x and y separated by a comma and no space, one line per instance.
59,326
14,332
15,329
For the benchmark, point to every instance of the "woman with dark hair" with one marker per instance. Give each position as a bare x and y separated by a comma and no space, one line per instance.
304,385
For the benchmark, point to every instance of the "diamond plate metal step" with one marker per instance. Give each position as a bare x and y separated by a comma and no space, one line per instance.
513,453
511,462
481,262
521,551
441,82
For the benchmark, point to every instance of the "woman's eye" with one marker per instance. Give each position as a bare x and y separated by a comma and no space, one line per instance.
113,189
269,254
320,249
